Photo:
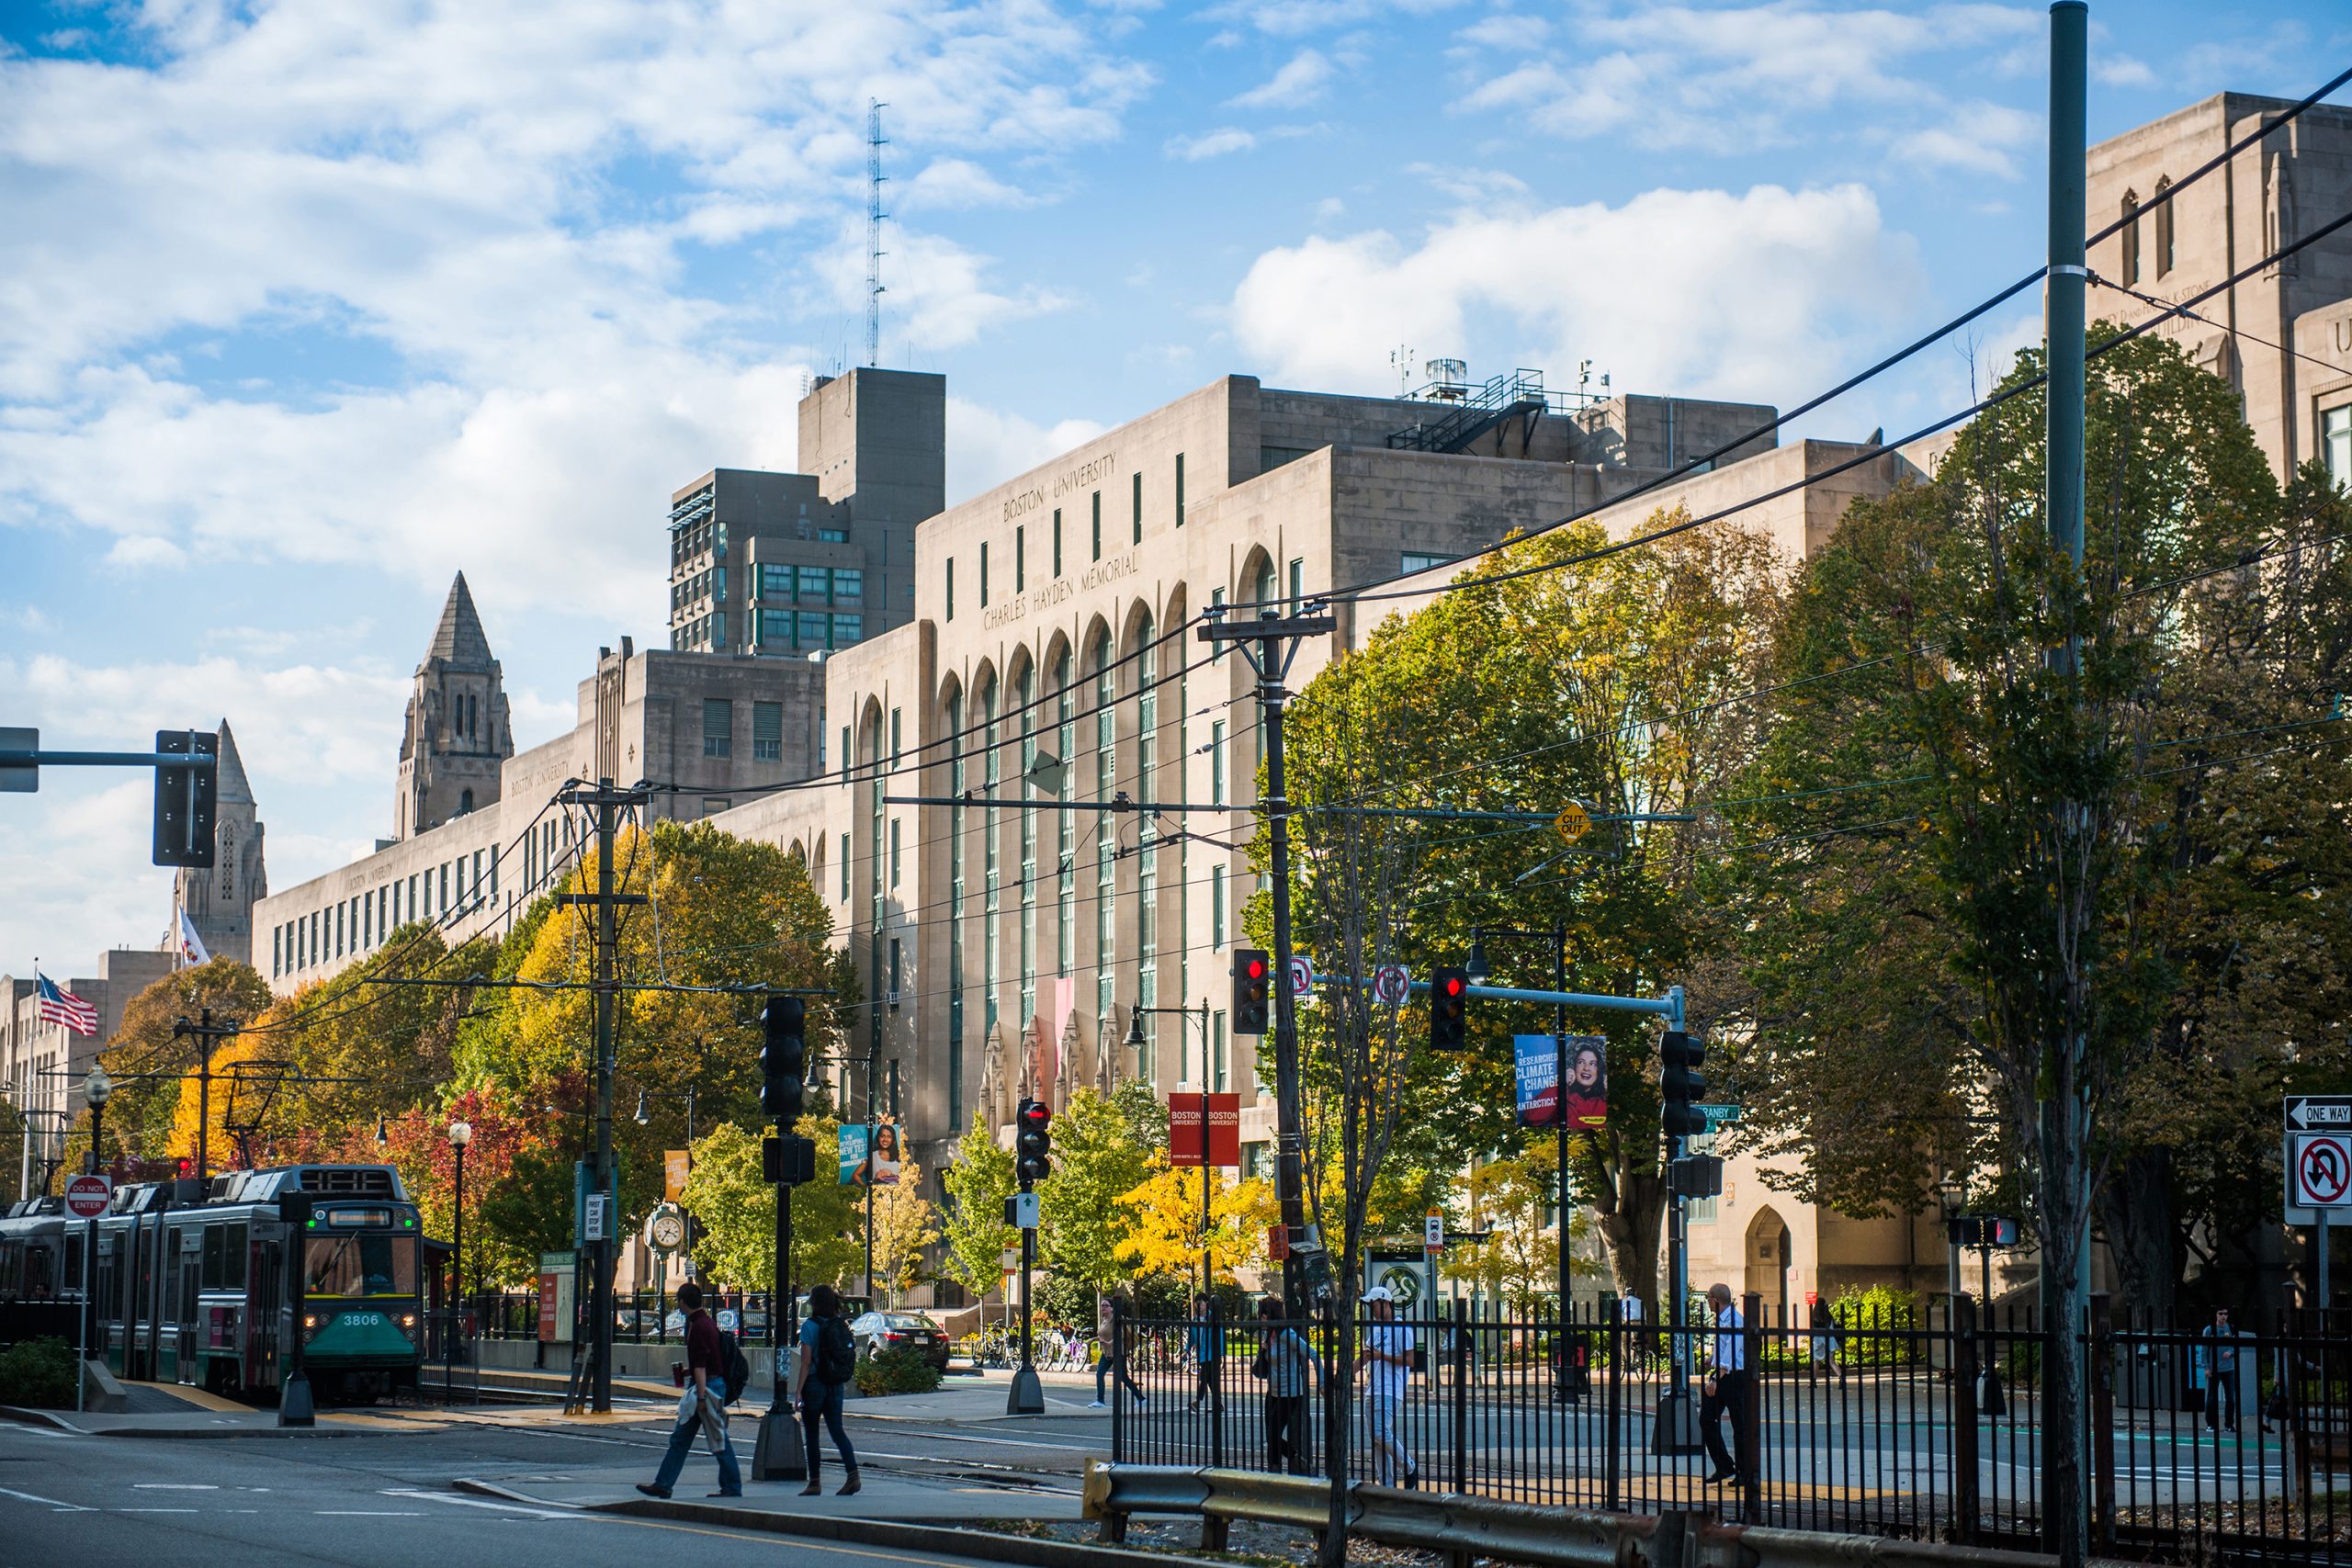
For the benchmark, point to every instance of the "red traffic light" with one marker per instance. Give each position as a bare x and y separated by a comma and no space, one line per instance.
1255,969
1034,1115
184,1168
1453,984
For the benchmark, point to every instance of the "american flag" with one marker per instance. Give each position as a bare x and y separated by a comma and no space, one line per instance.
63,1008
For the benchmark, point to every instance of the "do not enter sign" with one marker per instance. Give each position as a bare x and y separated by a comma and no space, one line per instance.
2322,1172
86,1197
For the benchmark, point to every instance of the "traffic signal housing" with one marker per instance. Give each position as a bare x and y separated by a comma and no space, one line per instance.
789,1160
1448,1008
1032,1145
784,1059
186,794
1680,1084
1253,975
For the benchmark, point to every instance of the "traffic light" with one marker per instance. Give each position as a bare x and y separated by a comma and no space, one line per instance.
1032,1145
788,1161
1448,1008
293,1208
184,797
784,1059
183,1167
1695,1176
1253,974
1680,1084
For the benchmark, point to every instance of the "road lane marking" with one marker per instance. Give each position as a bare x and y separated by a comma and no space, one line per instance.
172,1486
538,1513
47,1502
367,1513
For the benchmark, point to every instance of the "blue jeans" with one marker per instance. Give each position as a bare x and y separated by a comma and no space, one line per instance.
1110,1365
822,1402
711,1419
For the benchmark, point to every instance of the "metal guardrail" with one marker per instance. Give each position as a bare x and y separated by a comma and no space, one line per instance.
1465,1527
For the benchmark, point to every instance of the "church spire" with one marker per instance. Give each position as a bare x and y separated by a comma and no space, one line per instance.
459,641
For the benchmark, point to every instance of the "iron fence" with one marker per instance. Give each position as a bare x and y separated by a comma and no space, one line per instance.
2203,1448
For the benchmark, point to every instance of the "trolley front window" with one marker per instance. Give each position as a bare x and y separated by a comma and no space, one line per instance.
359,1266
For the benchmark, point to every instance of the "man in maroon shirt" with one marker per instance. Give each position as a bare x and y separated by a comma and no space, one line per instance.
703,1406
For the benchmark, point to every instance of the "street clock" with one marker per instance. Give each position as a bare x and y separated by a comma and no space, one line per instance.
666,1230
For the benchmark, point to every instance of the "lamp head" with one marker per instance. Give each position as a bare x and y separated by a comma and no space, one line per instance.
640,1108
1477,970
98,1088
383,1131
460,1133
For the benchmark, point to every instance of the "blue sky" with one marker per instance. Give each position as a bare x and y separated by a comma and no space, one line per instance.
305,306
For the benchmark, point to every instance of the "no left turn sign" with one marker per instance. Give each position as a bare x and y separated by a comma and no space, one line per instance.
2323,1171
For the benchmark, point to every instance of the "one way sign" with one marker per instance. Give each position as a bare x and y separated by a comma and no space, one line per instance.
2318,1165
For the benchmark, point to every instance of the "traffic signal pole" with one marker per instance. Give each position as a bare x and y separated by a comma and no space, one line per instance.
606,803
1270,644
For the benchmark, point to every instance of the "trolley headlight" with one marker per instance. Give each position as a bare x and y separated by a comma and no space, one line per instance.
310,1321
408,1321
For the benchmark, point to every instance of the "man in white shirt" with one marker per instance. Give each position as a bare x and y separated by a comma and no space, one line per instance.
1388,1371
1730,1391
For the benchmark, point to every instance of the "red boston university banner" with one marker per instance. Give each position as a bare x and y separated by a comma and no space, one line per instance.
1184,1128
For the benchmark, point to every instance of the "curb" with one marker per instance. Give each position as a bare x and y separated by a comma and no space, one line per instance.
945,1539
32,1418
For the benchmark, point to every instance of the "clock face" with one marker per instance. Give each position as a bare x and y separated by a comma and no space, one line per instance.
668,1230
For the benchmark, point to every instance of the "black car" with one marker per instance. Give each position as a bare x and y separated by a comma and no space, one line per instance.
876,1331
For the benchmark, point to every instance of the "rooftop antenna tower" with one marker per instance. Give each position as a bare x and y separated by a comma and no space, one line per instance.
873,216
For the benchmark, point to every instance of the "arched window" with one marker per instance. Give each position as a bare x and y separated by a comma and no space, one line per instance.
465,801
955,725
1107,863
2130,237
1066,849
2163,226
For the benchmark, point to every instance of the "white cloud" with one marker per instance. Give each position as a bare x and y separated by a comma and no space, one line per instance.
986,447
445,193
1295,19
2122,70
1299,81
949,184
1213,144
1662,291
1977,139
1730,78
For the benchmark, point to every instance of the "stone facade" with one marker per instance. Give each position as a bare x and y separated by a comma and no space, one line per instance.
2282,186
457,737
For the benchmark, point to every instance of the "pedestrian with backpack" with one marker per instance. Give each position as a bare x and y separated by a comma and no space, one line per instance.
703,1406
828,1363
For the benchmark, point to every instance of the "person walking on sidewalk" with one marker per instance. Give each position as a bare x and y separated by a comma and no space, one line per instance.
820,1383
1730,1390
1388,1374
1208,1353
2215,1369
1291,1368
702,1407
1111,1361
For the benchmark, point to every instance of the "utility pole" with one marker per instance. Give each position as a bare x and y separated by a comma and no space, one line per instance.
204,1033
1270,644
2065,1286
606,802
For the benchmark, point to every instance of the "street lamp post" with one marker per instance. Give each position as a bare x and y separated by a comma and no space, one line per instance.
96,1090
460,1134
1138,1044
1952,1197
1479,972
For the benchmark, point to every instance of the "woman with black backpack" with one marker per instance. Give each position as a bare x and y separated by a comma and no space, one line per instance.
828,1362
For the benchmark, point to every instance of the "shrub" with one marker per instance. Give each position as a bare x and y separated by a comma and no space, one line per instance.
38,1373
1881,1326
900,1369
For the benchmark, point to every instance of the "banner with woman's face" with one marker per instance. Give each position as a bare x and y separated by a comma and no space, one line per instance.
870,1155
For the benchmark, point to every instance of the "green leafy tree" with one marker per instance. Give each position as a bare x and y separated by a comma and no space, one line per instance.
736,1208
140,1115
978,1183
905,1226
1509,1198
1103,1147
1618,681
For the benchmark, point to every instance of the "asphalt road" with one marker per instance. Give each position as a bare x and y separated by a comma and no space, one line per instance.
368,1500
